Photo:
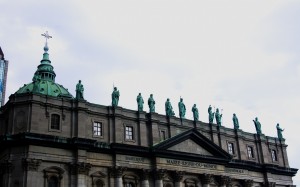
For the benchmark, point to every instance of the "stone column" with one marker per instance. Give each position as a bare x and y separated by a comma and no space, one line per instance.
117,173
81,169
5,171
159,175
145,177
177,176
248,183
206,179
224,181
31,167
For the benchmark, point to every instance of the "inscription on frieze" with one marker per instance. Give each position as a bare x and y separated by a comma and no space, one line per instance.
134,159
234,170
190,164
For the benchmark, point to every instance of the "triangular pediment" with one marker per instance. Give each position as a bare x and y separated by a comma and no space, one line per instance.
191,144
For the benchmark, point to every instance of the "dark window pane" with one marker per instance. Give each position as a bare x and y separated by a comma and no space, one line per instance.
55,121
53,182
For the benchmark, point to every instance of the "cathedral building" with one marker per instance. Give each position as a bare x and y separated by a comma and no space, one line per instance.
48,138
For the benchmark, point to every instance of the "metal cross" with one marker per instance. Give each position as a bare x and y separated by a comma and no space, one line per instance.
46,35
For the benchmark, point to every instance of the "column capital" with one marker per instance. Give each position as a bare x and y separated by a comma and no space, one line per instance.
80,168
145,173
177,175
224,180
206,178
248,183
31,164
117,171
159,174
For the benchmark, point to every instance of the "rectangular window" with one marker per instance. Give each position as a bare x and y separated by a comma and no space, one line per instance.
129,133
230,148
250,151
97,129
162,135
274,155
55,122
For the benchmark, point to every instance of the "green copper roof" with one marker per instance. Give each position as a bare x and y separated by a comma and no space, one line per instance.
43,81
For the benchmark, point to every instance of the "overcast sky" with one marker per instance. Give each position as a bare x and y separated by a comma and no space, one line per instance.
239,56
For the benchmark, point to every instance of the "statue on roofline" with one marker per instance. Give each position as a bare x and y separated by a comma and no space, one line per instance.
257,126
182,108
210,114
115,97
169,108
279,132
235,122
195,113
79,90
218,117
140,102
151,103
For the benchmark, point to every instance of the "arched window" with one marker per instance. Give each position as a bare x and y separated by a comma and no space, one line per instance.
53,176
55,122
53,181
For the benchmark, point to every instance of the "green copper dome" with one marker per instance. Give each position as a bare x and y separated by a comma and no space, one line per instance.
43,81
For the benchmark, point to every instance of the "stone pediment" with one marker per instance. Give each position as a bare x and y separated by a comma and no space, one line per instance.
191,144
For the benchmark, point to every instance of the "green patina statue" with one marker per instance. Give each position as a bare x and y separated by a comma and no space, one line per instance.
182,108
218,117
210,114
115,97
169,108
195,113
257,126
151,103
36,80
279,132
79,90
235,122
140,102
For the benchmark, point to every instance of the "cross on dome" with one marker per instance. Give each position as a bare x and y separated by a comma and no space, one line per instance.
46,35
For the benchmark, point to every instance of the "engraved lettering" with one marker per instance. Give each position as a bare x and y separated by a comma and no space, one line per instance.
134,159
190,164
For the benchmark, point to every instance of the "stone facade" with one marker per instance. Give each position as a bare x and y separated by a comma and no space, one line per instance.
52,141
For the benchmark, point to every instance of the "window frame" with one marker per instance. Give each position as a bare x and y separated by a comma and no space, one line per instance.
59,123
274,155
101,129
126,129
250,147
232,152
162,134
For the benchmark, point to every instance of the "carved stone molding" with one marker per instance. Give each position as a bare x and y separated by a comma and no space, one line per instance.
177,176
206,178
224,180
248,183
80,168
31,164
145,174
6,167
116,172
159,174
